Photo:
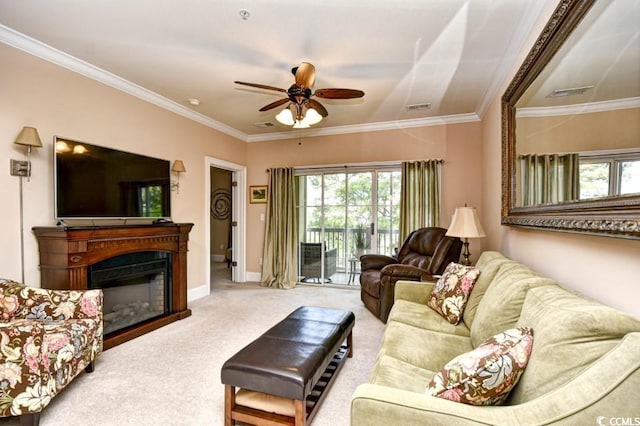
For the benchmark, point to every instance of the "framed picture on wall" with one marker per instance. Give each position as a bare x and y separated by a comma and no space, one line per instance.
258,194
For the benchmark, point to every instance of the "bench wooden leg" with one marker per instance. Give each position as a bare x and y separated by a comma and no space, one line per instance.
229,404
301,412
350,344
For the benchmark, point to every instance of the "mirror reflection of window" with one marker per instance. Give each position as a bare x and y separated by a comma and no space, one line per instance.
609,175
630,177
594,180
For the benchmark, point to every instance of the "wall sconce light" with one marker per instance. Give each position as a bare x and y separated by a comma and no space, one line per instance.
177,168
28,137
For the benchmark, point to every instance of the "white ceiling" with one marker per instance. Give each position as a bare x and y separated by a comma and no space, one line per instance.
454,54
601,55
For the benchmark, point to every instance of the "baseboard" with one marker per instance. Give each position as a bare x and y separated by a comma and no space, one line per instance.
197,293
254,276
204,290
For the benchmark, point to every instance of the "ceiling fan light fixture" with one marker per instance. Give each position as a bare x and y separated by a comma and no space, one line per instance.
312,117
286,117
300,124
302,111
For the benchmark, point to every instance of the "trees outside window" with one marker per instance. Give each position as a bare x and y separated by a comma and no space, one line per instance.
356,212
609,175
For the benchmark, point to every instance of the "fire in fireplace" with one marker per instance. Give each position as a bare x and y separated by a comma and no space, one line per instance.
136,288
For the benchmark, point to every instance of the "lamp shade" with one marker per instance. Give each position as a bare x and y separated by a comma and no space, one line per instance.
285,117
312,117
303,118
178,167
465,224
29,137
301,124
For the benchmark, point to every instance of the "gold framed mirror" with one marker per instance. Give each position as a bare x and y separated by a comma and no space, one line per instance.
571,124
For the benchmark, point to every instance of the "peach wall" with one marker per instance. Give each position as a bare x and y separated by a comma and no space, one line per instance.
594,131
60,102
604,268
457,144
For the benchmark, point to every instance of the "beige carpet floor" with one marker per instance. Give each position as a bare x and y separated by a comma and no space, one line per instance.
172,375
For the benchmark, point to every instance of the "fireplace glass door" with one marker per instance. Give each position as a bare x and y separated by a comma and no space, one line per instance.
135,286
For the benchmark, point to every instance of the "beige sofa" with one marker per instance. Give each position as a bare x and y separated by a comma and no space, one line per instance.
584,366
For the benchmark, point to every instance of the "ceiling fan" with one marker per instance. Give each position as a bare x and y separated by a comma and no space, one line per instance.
303,111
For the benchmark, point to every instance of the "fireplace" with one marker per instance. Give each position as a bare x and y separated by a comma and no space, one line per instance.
136,288
141,269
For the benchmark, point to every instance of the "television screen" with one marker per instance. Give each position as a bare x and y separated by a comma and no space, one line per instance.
93,182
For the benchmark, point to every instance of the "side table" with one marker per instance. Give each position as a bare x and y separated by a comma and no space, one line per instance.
353,266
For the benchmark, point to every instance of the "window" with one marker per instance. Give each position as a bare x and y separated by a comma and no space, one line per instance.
630,177
606,175
350,212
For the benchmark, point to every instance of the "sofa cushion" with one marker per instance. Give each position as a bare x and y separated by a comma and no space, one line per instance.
394,373
266,402
489,263
426,349
421,316
501,305
449,295
413,291
572,332
485,375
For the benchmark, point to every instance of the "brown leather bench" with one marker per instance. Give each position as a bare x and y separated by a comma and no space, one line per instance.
284,374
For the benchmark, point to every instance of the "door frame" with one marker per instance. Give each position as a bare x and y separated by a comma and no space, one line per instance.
238,214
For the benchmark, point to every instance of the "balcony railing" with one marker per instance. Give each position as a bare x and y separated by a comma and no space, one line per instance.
343,240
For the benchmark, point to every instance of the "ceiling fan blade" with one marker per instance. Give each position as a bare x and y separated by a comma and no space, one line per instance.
338,93
305,74
318,107
274,104
260,86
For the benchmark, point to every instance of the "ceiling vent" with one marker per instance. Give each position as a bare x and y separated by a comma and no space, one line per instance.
559,93
264,124
419,107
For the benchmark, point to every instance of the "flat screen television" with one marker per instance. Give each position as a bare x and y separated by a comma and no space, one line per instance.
96,182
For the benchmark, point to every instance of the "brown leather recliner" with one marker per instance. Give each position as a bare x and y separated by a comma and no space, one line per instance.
425,252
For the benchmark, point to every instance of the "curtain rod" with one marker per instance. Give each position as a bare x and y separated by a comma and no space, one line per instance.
383,165
437,160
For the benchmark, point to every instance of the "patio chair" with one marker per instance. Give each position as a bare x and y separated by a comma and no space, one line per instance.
310,259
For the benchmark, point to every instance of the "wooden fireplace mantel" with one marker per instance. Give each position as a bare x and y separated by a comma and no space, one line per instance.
66,253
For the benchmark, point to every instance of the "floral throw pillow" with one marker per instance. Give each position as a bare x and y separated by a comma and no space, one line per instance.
451,292
485,375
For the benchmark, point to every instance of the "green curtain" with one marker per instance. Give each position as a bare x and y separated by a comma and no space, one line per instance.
549,178
419,196
280,254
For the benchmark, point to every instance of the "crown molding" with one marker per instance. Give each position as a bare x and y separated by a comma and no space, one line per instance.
585,108
43,51
369,127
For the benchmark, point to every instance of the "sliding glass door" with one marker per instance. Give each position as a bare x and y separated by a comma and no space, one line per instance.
342,216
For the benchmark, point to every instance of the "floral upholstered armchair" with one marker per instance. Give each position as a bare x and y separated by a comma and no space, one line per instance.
47,337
